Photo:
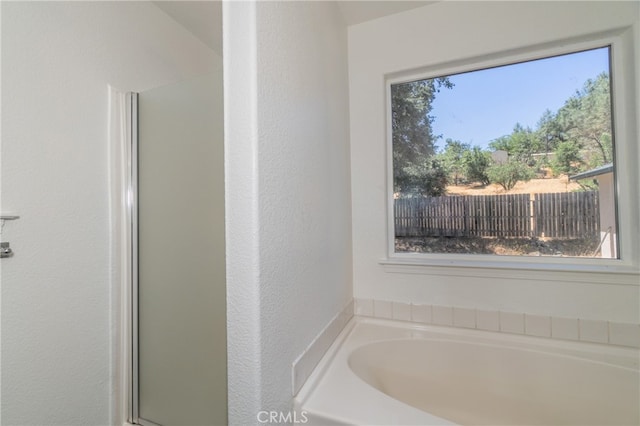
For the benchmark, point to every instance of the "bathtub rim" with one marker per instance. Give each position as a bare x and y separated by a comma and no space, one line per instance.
342,348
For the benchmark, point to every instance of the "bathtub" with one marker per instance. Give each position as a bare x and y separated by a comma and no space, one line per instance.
391,373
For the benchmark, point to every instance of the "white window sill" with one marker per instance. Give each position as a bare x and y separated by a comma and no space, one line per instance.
611,272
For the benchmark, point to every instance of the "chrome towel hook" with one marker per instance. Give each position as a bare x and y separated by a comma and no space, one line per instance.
5,249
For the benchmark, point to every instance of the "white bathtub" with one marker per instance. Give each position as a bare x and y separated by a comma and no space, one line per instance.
391,373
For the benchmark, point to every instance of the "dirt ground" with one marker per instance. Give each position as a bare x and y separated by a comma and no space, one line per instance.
499,246
533,186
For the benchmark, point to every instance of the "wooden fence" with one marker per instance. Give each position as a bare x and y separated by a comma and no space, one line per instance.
567,214
556,215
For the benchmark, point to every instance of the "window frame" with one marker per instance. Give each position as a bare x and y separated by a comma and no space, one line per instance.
624,128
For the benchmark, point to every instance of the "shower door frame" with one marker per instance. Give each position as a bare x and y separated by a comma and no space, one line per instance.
133,403
133,385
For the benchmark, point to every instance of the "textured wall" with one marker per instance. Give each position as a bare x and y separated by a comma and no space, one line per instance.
58,300
288,197
451,33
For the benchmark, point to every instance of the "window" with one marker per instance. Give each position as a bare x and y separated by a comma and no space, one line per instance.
509,160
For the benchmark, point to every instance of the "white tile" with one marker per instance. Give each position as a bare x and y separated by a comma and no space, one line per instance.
421,313
442,315
511,322
401,311
488,320
594,331
564,328
364,307
624,334
382,309
537,325
463,317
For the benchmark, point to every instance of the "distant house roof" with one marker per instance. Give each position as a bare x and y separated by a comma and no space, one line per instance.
607,168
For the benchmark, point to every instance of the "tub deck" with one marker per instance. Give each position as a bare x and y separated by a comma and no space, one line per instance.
363,393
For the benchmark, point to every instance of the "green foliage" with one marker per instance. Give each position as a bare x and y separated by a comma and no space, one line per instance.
579,133
602,156
549,132
521,144
587,185
452,159
508,174
542,163
586,120
413,138
475,163
423,179
567,158
579,136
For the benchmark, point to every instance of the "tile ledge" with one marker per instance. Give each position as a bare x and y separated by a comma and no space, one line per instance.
614,333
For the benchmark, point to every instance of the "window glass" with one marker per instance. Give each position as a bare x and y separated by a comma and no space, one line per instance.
513,160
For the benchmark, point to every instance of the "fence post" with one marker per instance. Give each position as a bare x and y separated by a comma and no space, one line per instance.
532,215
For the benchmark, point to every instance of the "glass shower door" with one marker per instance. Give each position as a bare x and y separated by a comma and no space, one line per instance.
181,318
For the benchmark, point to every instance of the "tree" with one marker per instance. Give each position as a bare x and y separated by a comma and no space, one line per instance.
423,179
521,144
586,120
567,158
476,162
452,159
549,132
579,133
412,136
508,174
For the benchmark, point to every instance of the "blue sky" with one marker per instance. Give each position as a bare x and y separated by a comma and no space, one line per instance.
486,104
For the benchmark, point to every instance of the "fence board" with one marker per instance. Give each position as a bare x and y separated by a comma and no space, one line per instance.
555,215
568,214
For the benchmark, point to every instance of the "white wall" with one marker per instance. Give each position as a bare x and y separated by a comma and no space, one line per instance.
608,229
59,302
447,33
288,196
